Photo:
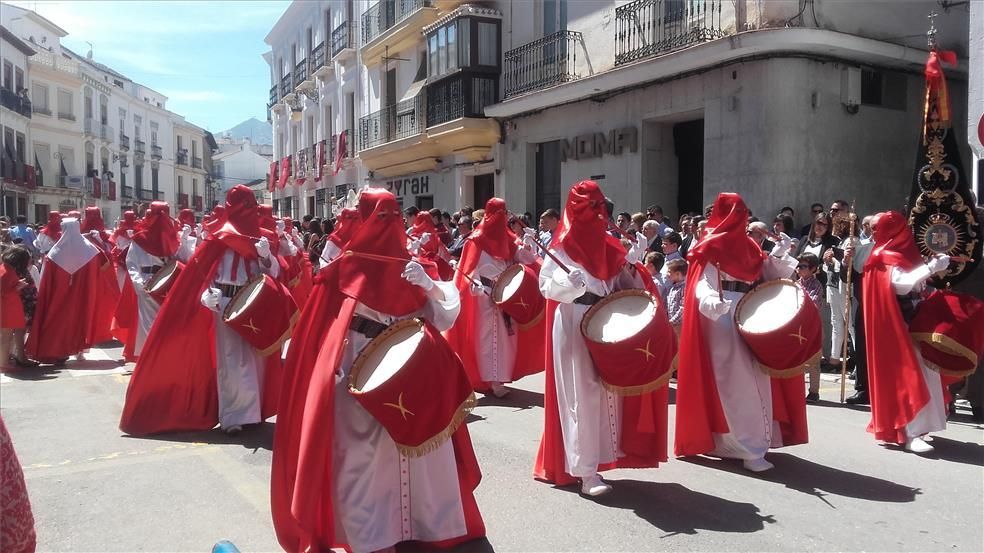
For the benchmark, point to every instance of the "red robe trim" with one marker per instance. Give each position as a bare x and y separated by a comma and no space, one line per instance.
66,314
644,420
301,475
173,387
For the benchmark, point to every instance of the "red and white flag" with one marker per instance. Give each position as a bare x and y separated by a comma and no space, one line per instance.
340,148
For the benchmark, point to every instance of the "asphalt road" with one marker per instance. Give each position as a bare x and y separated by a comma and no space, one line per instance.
93,489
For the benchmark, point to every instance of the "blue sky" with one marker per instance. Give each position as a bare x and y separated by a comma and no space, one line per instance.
205,56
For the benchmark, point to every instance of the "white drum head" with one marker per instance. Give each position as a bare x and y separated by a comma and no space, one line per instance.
163,276
769,307
621,318
508,283
387,357
245,297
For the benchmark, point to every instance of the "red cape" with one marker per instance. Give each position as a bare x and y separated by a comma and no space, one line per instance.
699,413
301,475
530,352
299,277
124,327
644,420
173,386
67,313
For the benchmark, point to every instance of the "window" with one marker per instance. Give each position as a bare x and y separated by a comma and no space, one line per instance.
8,75
442,51
449,47
181,186
155,181
18,79
138,176
488,44
194,187
117,82
103,109
39,97
883,88
452,47
42,158
87,103
65,110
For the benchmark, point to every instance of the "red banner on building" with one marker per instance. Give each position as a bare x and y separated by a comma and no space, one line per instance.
183,201
284,172
111,190
30,178
196,203
273,177
96,187
319,171
339,152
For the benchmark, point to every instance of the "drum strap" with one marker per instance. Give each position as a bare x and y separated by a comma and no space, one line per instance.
588,298
367,327
236,260
736,286
229,290
487,282
151,270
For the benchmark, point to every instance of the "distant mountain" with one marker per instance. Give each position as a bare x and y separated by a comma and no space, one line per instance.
258,132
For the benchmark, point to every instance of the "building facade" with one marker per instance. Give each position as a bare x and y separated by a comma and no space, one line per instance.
663,102
15,123
239,161
94,136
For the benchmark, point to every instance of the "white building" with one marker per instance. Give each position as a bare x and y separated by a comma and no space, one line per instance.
96,137
15,123
239,162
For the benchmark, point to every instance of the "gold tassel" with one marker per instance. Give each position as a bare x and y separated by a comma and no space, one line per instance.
438,439
534,322
793,371
283,337
641,388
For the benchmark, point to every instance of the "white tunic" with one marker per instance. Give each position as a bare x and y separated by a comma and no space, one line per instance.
147,307
239,366
43,243
186,247
932,417
382,497
590,415
744,390
495,343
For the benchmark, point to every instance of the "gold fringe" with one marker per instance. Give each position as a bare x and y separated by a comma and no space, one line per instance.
641,388
438,439
534,322
791,372
946,344
283,337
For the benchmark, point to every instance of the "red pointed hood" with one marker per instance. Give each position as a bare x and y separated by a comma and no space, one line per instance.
346,225
53,229
239,228
93,220
217,218
128,222
157,234
267,220
583,232
895,246
186,217
726,243
493,234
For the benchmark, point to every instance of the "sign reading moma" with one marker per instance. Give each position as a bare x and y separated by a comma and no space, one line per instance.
592,145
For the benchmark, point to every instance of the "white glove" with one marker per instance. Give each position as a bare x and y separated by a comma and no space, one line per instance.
721,307
529,237
476,288
94,234
576,278
210,299
198,229
280,228
415,274
263,247
129,233
416,243
782,248
204,234
637,251
294,233
938,264
185,232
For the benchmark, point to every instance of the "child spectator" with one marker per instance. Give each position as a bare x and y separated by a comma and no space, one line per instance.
13,319
806,273
654,263
677,280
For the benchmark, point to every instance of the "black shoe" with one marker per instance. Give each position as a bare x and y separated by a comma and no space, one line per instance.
812,397
977,413
859,398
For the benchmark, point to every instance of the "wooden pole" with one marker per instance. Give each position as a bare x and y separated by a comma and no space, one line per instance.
542,247
847,303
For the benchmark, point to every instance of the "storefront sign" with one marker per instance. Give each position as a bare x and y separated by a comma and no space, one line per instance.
592,145
418,185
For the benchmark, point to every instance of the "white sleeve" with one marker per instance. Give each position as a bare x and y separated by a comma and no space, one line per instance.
329,252
708,295
442,313
555,285
525,256
904,282
133,256
186,249
274,268
777,267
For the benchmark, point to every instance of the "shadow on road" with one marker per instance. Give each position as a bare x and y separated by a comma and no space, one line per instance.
475,546
968,453
518,398
258,436
818,480
676,509
44,372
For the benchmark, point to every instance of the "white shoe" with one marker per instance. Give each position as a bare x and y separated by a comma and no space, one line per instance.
757,465
917,445
594,486
927,438
233,430
498,390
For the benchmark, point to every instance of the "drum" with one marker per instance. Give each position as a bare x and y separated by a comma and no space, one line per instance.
410,380
517,293
160,284
630,341
948,328
263,313
780,324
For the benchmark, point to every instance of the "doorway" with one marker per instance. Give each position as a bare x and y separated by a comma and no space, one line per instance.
688,144
484,189
310,207
547,177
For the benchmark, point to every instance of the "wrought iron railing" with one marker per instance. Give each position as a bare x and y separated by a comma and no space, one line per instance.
333,147
542,63
387,13
196,162
647,28
156,152
181,157
300,72
341,38
196,203
461,95
401,120
124,142
17,103
274,97
139,146
285,86
182,200
317,58
126,191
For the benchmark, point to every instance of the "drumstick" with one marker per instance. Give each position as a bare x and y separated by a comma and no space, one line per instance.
720,287
542,247
376,257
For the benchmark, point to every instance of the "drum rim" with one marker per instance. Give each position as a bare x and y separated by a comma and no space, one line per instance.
496,289
226,317
149,285
766,284
373,345
610,298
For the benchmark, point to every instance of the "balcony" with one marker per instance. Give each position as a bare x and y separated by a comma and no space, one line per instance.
274,97
89,127
126,191
542,63
394,25
181,157
395,122
285,86
143,194
342,41
197,202
318,63
301,75
124,143
196,162
105,132
648,28
139,147
333,147
460,95
17,104
54,62
182,200
43,110
156,152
